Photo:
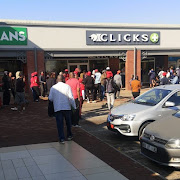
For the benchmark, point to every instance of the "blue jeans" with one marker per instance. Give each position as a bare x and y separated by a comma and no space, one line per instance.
102,92
60,115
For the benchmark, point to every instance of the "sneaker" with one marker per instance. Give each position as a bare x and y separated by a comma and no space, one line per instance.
14,108
61,141
77,125
69,138
93,101
88,102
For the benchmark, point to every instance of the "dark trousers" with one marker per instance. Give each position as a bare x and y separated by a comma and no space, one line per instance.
91,89
97,91
60,116
75,114
135,94
80,106
6,97
42,89
35,92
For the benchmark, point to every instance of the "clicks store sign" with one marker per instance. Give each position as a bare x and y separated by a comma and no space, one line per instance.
13,36
122,38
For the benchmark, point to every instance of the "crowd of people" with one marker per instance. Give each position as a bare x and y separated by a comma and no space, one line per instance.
162,77
14,85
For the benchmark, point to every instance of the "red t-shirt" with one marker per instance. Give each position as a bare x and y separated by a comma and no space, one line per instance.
74,84
82,87
34,81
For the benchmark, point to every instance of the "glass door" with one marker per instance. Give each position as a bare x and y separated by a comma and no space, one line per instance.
146,65
81,66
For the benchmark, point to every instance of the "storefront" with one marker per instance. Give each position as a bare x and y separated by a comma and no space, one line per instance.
54,46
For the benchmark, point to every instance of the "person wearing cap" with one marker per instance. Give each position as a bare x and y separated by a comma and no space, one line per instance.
6,89
109,89
164,80
97,84
89,86
109,72
35,87
118,81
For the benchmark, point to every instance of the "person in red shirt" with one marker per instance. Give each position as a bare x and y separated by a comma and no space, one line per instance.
35,86
75,87
82,96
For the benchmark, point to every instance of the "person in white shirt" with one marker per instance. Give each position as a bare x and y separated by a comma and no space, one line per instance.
63,101
97,84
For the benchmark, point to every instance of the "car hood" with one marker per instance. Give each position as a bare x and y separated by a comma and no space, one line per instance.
129,108
165,128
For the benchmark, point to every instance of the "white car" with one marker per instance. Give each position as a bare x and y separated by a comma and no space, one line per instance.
131,118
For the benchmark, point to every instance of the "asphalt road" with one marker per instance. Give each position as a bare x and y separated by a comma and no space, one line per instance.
94,122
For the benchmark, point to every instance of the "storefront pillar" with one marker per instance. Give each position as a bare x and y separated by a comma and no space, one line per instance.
129,67
30,63
40,61
166,62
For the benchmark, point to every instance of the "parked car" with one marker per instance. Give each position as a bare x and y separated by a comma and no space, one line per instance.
131,118
160,141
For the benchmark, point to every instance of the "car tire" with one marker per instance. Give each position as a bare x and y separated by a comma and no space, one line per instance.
142,128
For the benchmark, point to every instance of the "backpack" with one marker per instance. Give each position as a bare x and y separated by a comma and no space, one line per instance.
110,85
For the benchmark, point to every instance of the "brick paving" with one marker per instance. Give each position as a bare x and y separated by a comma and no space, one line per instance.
34,126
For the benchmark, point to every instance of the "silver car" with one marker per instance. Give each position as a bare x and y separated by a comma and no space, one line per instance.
131,118
160,141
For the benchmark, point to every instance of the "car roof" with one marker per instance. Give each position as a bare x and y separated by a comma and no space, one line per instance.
169,87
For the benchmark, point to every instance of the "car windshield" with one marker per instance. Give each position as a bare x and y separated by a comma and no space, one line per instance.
152,97
177,114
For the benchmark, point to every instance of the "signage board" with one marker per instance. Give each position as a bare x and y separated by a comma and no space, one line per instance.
122,37
13,36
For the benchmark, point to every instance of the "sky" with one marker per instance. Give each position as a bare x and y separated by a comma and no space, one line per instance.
100,11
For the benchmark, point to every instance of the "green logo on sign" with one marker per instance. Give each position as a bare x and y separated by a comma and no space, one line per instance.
154,38
13,36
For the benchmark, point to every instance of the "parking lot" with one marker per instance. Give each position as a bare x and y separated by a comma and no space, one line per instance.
94,122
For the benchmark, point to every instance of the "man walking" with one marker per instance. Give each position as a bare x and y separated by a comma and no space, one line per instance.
62,98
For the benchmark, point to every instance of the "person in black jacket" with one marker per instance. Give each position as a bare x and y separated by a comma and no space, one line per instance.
6,89
89,86
20,96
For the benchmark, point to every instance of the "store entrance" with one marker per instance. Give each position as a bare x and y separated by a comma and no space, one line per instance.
146,65
82,66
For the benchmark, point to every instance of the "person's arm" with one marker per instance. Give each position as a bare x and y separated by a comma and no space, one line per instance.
71,98
78,91
121,81
51,95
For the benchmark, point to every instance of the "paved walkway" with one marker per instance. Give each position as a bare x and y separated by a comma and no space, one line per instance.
50,160
53,161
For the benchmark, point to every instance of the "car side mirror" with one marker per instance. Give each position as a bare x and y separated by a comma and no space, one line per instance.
169,104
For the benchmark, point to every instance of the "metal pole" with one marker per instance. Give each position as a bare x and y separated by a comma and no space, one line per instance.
35,58
134,62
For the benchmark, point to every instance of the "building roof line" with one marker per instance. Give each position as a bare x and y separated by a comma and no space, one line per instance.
87,24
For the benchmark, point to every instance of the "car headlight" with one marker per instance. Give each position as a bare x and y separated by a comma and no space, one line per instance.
129,117
173,144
